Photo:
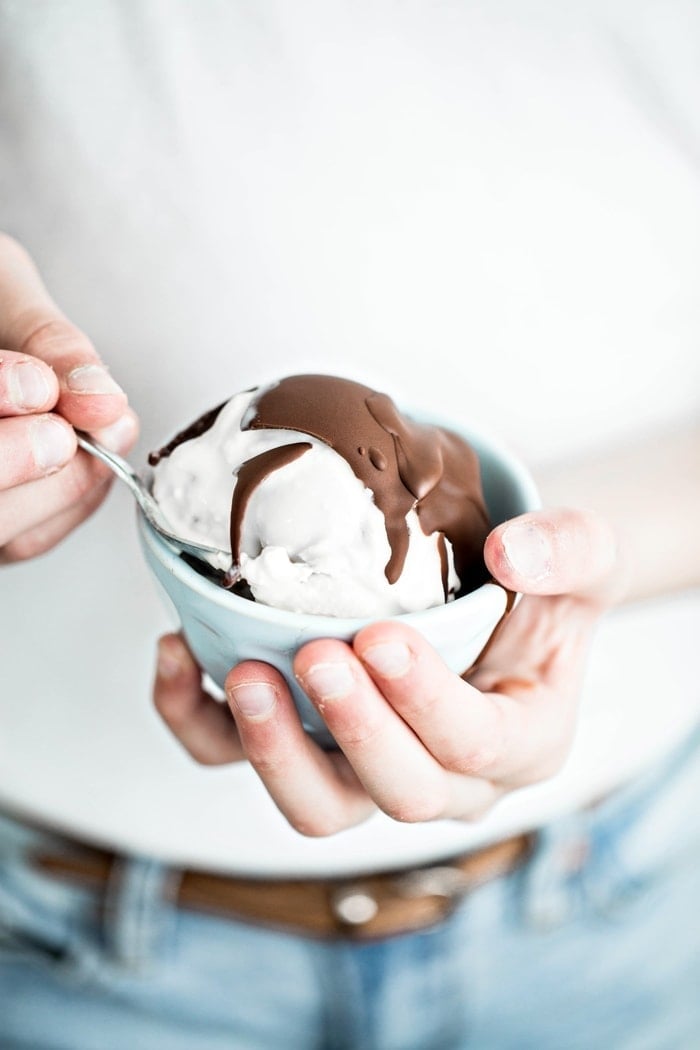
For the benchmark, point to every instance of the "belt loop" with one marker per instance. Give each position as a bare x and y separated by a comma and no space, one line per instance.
137,904
551,881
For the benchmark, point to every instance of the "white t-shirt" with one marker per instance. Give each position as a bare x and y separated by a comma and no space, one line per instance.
489,209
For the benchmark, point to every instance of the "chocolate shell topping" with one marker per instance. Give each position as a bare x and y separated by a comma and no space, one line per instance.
406,465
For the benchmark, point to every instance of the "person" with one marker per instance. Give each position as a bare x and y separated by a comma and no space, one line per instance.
491,210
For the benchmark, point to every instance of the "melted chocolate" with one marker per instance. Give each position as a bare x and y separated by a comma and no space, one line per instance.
406,465
250,475
194,430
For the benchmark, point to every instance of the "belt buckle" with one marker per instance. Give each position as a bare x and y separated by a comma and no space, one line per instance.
355,905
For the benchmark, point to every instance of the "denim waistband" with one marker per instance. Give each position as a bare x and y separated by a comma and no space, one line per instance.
604,853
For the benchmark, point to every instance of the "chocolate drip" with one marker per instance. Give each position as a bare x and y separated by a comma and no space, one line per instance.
250,475
194,430
404,464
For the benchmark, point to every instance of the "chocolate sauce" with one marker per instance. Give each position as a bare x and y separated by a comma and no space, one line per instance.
194,430
406,465
250,475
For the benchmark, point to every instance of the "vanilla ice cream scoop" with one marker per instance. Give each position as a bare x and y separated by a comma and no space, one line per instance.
330,501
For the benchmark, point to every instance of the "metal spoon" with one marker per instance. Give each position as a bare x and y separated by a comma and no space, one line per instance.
126,473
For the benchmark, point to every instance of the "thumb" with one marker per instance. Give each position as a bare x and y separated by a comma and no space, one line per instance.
562,551
31,323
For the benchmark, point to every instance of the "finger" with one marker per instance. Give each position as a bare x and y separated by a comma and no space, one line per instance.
545,639
397,771
31,323
556,552
202,725
47,535
33,447
314,789
89,398
25,303
495,737
29,505
120,436
26,385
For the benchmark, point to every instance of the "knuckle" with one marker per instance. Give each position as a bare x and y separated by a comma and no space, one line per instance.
267,766
417,809
271,759
487,748
66,343
355,730
23,548
420,705
472,761
318,825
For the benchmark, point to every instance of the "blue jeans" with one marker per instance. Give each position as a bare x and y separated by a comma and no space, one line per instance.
593,945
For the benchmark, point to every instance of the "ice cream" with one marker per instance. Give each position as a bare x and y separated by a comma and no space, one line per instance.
327,500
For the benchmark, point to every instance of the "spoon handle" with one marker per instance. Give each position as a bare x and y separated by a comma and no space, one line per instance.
122,469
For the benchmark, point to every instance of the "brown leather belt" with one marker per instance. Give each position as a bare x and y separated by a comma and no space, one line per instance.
362,908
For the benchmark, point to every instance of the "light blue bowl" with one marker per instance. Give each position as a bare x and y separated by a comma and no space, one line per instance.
222,628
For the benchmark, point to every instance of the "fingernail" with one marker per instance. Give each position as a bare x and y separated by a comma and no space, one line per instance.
92,379
389,659
254,699
169,666
28,386
52,444
118,436
328,681
528,550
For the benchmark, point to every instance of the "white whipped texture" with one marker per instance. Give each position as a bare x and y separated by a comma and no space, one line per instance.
313,540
